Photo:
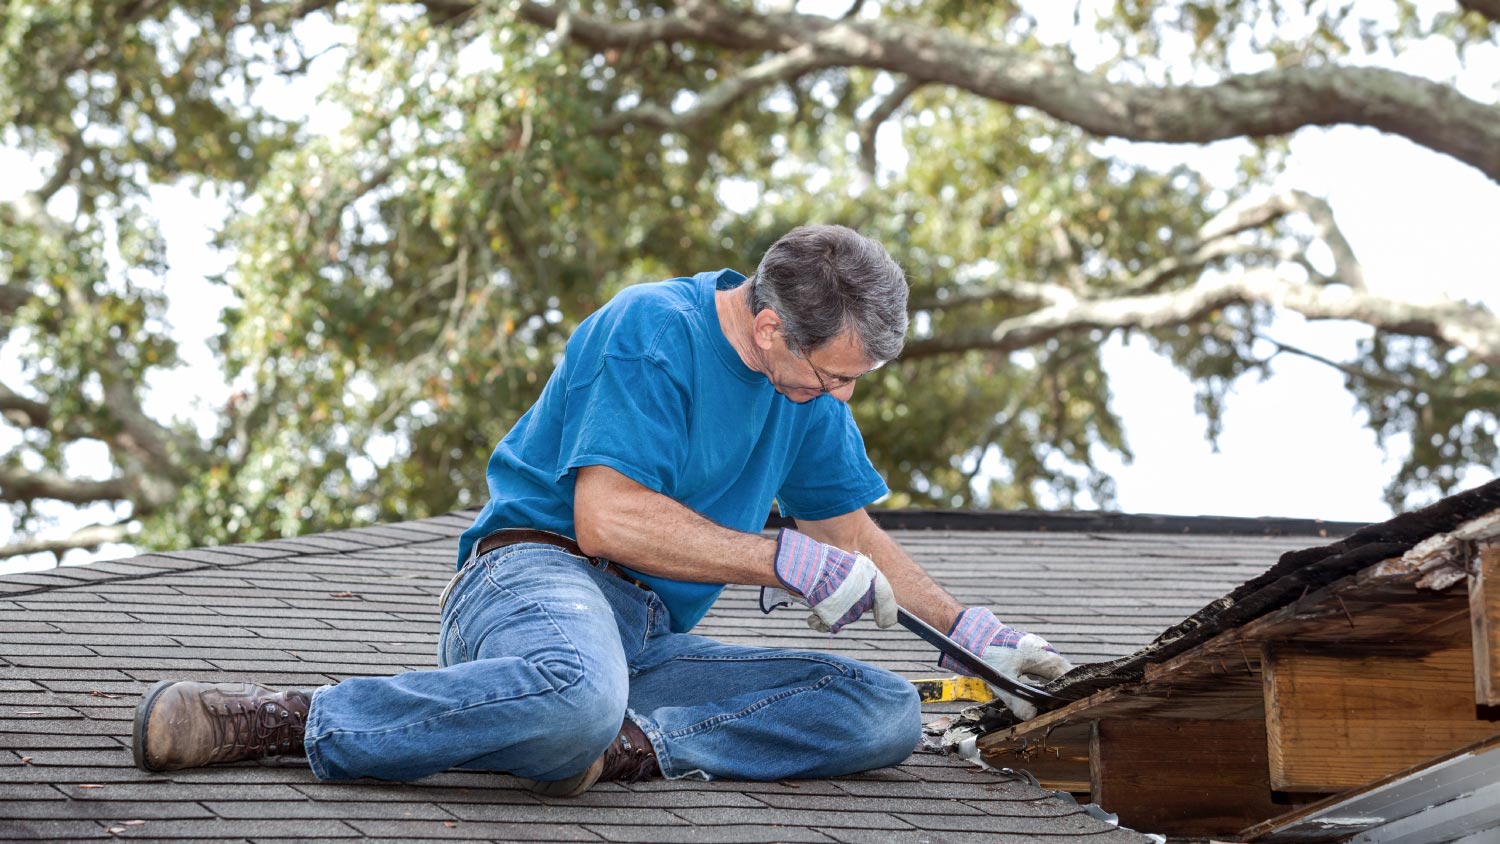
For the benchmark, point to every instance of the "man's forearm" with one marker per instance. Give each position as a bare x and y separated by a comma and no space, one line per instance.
916,591
618,519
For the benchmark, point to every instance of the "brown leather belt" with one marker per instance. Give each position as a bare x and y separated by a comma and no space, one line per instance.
515,536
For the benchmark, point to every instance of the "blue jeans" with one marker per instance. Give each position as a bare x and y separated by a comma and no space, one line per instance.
543,654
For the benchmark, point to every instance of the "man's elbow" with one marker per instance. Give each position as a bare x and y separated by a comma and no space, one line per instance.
594,535
597,526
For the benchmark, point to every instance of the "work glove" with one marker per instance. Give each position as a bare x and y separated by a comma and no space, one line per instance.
1021,656
838,586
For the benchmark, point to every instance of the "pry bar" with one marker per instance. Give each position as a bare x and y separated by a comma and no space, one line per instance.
1043,701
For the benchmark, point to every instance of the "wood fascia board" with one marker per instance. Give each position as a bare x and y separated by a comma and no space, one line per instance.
1180,776
1336,719
1403,794
1484,618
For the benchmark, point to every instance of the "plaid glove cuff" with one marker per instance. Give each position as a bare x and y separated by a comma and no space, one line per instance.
810,568
976,629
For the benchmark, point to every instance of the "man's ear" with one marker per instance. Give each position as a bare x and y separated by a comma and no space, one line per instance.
763,327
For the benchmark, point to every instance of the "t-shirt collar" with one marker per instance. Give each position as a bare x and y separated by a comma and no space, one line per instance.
708,283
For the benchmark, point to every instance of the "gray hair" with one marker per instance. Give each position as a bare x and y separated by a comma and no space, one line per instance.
825,280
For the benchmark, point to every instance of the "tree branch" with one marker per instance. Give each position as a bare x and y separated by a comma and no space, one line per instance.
21,411
1001,291
90,538
1254,212
686,23
139,434
1465,325
20,485
72,154
784,67
880,115
1274,102
1346,369
12,297
1488,8
1216,239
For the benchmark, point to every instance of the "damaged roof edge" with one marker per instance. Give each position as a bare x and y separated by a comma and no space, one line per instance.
1293,575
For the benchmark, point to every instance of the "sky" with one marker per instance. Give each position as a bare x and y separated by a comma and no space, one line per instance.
1421,224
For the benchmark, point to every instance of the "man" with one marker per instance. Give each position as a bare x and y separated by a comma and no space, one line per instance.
620,505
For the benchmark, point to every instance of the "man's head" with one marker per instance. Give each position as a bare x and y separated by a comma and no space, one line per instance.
829,291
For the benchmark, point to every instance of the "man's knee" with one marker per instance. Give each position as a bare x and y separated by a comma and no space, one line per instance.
581,739
895,725
571,729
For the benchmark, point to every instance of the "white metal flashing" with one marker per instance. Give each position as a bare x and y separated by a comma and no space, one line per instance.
1451,800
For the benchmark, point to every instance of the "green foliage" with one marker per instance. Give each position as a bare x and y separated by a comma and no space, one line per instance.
404,283
1424,392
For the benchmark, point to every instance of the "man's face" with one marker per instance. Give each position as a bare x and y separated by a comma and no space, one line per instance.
803,376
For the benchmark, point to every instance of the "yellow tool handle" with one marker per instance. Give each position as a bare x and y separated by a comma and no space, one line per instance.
945,689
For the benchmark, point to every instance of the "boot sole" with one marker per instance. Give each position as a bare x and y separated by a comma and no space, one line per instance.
572,786
142,716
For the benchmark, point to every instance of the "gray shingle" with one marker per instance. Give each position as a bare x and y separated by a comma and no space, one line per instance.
755,834
422,830
33,830
113,812
277,613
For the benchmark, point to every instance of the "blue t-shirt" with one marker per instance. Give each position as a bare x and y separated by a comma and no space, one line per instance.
650,387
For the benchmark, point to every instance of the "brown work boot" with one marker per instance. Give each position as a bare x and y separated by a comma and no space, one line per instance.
629,758
180,724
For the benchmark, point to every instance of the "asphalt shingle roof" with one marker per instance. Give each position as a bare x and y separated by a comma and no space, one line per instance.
79,644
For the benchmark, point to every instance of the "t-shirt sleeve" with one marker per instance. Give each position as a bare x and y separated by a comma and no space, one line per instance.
631,416
831,474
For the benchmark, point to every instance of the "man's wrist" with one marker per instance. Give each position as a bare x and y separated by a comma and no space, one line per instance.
974,629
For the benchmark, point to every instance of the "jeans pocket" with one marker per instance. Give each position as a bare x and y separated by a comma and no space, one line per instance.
452,649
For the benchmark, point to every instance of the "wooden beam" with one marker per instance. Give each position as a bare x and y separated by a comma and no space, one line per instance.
1484,616
1059,759
1336,720
1182,777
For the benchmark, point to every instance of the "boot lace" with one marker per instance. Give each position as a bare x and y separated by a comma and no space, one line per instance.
245,729
629,759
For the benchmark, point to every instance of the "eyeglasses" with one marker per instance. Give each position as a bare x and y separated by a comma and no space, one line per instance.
827,381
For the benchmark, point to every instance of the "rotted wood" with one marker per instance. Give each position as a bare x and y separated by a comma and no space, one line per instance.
1426,542
1220,679
1182,777
1059,759
1484,618
1337,718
